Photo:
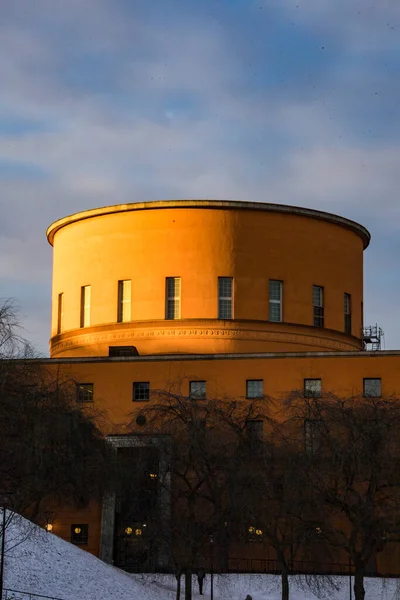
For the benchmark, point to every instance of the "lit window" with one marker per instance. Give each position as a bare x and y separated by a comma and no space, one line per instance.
225,290
85,305
275,300
373,387
312,435
347,314
141,391
84,392
80,533
318,301
173,298
312,388
254,388
124,300
197,390
60,313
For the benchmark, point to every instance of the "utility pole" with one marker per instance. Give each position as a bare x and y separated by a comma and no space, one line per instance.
3,547
212,567
350,590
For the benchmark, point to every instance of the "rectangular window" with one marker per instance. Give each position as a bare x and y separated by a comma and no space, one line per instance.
225,297
84,392
312,435
275,300
373,387
197,390
122,351
254,388
347,314
312,388
141,391
124,300
318,301
254,429
60,313
80,533
85,305
173,298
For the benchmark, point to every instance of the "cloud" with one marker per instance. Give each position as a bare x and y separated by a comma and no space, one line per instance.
110,101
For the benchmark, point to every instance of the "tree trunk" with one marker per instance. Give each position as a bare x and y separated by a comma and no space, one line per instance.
359,592
188,584
285,584
178,586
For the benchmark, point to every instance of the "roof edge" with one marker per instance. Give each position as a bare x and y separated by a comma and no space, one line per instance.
360,230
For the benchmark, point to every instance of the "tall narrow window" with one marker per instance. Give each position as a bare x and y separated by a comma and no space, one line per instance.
173,298
124,300
225,299
85,305
347,314
318,301
60,313
275,300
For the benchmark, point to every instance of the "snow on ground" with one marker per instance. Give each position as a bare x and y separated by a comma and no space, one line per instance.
41,563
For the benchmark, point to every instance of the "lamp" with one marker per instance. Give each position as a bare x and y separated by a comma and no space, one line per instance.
77,530
153,475
138,531
128,530
49,527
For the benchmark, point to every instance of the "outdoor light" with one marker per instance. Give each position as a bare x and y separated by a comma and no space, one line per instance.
251,529
153,475
259,532
138,532
77,530
48,527
128,530
318,530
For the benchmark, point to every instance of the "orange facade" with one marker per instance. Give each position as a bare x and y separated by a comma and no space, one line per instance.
221,292
200,242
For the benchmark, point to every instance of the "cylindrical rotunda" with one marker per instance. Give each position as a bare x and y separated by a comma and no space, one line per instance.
200,276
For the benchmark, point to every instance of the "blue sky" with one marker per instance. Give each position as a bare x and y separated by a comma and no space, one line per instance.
109,101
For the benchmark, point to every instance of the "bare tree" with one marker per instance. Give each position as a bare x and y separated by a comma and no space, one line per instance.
202,447
353,451
51,447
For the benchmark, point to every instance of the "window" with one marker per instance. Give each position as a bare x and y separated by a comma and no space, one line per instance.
122,351
173,298
85,305
225,289
373,387
312,388
84,392
312,435
197,390
141,390
80,533
124,300
60,313
275,300
347,314
318,301
141,420
254,388
254,430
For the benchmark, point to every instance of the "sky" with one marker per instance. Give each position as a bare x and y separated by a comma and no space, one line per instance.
111,101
